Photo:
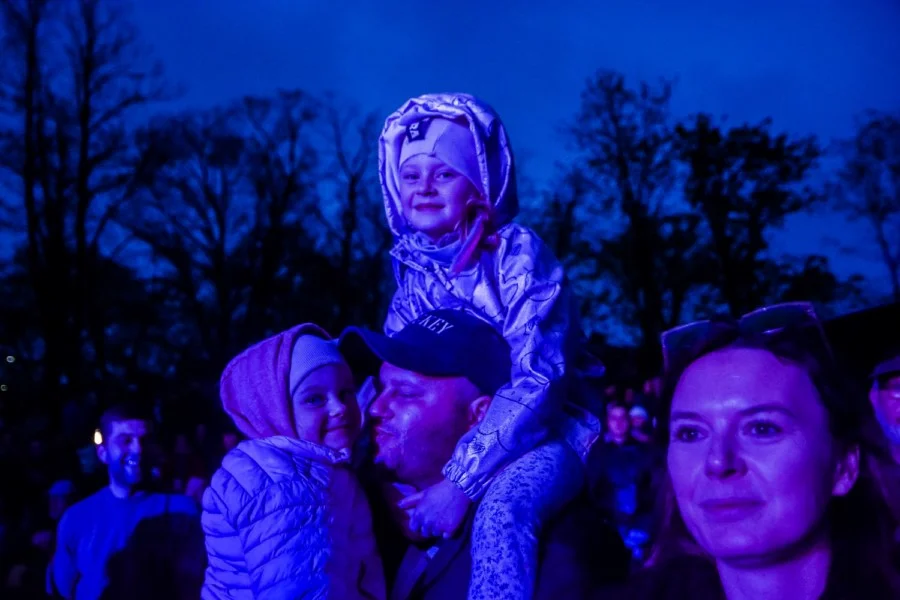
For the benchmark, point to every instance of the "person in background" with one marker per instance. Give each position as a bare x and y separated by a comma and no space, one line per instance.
189,476
620,479
127,540
884,394
61,496
618,424
641,428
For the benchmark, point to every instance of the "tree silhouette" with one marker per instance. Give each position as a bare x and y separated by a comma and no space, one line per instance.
153,249
223,218
634,236
869,186
744,182
357,232
72,77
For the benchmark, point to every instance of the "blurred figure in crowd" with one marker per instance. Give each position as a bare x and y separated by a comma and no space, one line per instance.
126,540
640,425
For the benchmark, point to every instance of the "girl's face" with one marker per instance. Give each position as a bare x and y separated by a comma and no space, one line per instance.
325,407
434,196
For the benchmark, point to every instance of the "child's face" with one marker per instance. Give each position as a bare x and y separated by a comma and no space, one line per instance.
325,407
434,196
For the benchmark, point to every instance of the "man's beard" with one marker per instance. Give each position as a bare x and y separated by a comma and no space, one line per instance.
127,474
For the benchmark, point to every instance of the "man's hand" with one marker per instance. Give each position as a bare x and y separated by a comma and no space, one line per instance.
436,511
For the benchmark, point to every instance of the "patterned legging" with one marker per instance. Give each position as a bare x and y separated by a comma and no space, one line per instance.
509,519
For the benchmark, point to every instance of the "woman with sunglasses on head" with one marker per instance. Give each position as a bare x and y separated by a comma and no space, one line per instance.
771,489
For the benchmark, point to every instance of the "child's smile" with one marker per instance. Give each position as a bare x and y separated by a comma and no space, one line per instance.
434,195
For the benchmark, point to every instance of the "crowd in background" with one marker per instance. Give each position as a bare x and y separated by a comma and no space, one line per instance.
47,476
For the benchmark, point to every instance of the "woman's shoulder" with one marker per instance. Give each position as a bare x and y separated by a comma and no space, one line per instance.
682,578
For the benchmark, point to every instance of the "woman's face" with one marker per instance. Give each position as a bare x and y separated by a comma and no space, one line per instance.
325,407
751,459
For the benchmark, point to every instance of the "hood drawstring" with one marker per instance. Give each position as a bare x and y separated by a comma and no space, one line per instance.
479,235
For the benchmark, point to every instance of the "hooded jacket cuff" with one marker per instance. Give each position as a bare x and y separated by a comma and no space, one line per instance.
473,487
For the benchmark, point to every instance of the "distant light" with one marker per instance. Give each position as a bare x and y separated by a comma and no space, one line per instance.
3,388
98,437
10,359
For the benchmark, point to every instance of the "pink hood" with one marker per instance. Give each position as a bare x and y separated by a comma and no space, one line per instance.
254,385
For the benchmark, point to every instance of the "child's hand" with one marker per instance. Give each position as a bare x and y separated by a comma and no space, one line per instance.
436,511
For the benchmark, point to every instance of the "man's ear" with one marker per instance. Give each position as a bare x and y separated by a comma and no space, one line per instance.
102,454
873,396
846,472
477,409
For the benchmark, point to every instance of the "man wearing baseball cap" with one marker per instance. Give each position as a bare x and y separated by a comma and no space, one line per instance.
884,393
885,396
436,379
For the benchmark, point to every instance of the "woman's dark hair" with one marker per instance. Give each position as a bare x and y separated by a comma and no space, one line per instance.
861,523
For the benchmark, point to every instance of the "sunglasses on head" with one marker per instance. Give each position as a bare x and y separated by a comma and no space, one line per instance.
684,343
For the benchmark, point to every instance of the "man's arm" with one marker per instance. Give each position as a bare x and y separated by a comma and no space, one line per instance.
62,572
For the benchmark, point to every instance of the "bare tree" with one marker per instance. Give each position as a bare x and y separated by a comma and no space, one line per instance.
869,186
191,217
744,181
74,76
639,242
281,166
353,213
225,220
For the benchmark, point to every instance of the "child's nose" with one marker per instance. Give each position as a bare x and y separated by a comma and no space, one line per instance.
337,407
425,185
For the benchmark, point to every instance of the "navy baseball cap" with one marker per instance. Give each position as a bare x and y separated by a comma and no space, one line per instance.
441,343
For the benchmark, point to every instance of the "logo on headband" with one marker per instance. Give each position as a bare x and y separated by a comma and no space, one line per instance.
416,131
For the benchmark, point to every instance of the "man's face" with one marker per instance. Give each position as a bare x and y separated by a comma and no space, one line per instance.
617,421
885,397
122,451
638,422
417,422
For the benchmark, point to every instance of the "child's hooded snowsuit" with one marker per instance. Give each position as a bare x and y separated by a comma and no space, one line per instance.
519,287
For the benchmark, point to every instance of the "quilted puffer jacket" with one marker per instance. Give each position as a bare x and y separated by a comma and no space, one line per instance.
287,518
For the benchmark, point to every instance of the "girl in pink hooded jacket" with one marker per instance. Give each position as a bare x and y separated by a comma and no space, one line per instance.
448,178
285,517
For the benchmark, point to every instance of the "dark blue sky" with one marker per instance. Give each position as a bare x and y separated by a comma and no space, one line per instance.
810,64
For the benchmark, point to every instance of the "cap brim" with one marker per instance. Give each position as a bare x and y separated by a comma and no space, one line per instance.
366,350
